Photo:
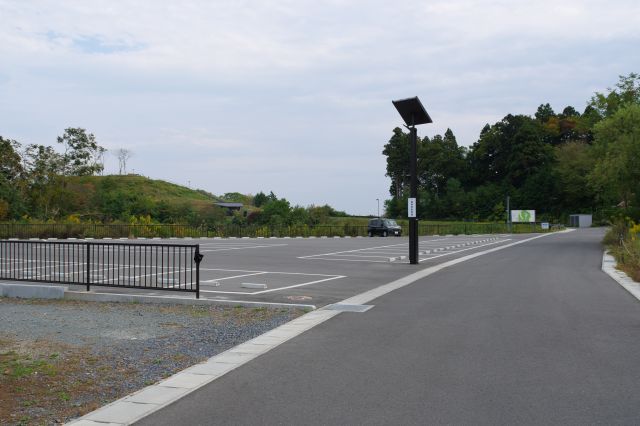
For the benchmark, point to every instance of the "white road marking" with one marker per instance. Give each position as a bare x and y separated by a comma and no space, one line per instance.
346,251
470,248
239,248
334,277
232,277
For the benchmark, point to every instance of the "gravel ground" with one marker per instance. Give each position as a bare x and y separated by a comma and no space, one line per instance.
81,355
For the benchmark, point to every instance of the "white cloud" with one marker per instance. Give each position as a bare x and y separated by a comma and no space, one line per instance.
296,91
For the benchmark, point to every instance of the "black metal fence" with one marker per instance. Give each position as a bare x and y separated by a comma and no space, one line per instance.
54,230
167,267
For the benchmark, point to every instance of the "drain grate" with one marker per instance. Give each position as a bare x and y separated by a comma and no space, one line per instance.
348,308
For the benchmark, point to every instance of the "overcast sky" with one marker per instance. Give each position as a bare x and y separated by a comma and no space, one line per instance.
295,96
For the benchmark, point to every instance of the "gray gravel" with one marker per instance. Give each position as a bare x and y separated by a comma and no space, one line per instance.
151,341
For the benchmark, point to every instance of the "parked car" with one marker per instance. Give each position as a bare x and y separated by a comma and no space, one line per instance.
383,227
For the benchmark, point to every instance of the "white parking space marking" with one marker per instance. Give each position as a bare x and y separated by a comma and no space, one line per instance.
469,248
348,251
399,252
232,277
269,278
208,248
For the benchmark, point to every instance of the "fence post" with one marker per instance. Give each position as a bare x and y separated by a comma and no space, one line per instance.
88,266
197,258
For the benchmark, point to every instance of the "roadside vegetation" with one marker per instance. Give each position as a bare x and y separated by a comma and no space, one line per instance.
558,163
623,242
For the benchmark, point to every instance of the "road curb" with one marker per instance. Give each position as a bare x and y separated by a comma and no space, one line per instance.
138,298
27,291
609,265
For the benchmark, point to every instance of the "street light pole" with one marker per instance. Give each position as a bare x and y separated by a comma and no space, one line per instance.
378,200
413,194
413,114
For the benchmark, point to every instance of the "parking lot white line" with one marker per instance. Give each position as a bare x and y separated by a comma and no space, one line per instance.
234,276
385,252
469,248
361,256
334,277
347,260
337,277
347,251
240,248
267,272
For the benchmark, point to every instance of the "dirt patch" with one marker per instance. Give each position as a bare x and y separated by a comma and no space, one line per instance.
57,373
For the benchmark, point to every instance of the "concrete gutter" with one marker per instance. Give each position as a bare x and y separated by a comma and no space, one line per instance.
609,265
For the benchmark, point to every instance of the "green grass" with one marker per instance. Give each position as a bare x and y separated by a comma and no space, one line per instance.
155,189
16,366
625,251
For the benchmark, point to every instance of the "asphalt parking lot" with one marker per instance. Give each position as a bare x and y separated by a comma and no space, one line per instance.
320,271
312,271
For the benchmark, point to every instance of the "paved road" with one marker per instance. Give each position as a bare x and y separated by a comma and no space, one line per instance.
534,334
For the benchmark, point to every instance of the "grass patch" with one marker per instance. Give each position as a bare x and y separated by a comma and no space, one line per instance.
623,242
42,380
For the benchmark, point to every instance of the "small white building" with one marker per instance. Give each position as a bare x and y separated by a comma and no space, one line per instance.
580,220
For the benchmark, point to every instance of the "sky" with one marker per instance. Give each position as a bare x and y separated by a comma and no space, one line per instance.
294,96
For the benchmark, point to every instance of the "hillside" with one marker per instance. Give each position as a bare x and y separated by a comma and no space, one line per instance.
118,197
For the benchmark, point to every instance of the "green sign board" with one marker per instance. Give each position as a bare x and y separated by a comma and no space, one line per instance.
526,216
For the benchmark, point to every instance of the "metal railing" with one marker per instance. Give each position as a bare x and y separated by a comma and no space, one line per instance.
166,267
54,230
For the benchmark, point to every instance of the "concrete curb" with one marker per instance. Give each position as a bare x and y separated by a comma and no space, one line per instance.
55,291
90,296
27,291
609,267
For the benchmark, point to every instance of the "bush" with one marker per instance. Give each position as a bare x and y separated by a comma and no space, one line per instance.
623,243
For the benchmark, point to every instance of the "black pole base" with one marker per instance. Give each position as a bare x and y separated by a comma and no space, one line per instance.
413,241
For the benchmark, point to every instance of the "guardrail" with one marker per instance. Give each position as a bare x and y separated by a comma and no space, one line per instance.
166,267
53,230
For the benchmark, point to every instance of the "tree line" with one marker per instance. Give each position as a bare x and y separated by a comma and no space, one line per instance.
555,163
42,183
32,178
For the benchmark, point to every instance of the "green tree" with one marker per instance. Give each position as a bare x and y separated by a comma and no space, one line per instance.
456,199
397,153
276,212
544,113
259,199
626,92
82,155
617,151
509,151
573,163
440,159
46,192
11,179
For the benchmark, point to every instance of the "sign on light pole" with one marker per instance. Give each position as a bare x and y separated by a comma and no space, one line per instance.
413,114
411,207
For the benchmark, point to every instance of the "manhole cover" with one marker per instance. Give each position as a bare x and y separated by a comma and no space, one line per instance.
299,298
